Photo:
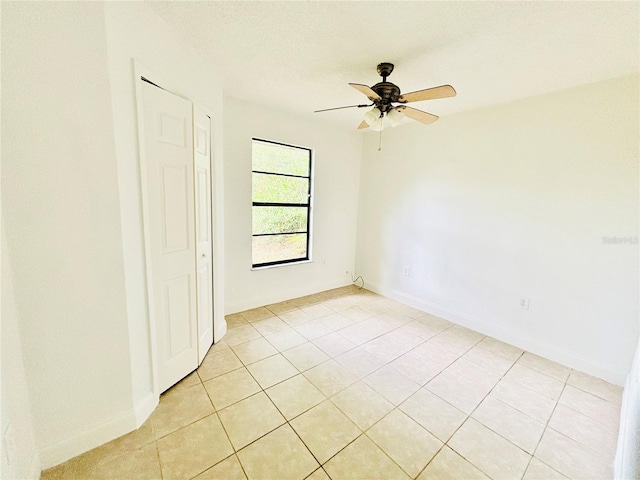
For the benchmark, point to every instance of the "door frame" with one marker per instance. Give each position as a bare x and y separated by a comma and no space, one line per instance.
217,209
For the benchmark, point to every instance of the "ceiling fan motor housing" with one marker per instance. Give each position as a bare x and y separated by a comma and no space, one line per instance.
388,91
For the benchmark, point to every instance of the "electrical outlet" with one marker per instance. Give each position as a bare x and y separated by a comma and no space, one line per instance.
324,261
406,271
524,303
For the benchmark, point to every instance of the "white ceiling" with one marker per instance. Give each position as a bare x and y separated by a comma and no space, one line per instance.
300,56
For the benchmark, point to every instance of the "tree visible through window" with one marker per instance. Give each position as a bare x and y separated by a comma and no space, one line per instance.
281,203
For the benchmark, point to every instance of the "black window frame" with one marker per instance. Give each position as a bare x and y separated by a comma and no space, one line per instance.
308,206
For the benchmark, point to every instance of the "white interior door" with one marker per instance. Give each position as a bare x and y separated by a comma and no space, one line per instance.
167,138
204,279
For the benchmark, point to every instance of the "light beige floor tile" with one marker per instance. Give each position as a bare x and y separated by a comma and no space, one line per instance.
295,317
362,405
489,452
391,345
363,460
305,301
437,416
584,430
366,330
462,393
373,308
228,469
406,442
329,377
391,384
231,387
410,312
279,455
419,329
536,381
313,329
512,424
219,345
189,381
355,314
254,350
241,334
540,471
295,396
527,401
235,320
141,463
593,407
193,449
336,321
338,304
218,363
501,348
333,344
572,459
305,356
317,311
269,326
286,340
122,445
63,471
256,314
359,362
180,409
319,474
272,370
455,341
395,318
474,373
595,386
434,322
281,307
250,419
416,368
325,430
448,465
489,360
435,354
543,365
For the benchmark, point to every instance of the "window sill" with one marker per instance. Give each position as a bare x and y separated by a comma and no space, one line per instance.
266,267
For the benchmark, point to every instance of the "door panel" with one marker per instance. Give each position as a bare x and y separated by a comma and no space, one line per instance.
168,151
202,160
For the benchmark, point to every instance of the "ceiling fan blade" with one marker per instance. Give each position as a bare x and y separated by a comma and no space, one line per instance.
443,91
371,95
363,125
419,115
340,108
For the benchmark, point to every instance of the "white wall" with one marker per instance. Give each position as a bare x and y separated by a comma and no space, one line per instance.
19,459
336,180
62,218
627,462
509,201
135,31
71,196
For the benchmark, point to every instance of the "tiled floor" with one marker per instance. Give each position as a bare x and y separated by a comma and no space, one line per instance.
349,384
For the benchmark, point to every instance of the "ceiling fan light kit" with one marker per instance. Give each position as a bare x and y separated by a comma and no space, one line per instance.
384,94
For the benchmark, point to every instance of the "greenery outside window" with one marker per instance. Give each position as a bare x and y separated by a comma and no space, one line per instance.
281,203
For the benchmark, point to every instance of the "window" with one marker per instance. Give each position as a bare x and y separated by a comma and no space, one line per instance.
281,203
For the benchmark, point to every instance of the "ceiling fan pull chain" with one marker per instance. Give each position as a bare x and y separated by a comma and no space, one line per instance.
380,140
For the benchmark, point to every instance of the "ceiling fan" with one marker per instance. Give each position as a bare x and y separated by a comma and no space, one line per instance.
384,95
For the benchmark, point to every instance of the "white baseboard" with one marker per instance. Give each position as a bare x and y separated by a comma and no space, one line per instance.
34,467
145,408
529,344
281,295
100,433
